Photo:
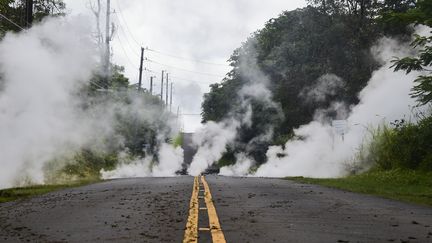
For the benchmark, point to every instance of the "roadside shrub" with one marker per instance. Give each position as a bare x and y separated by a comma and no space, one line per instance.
405,145
83,165
178,140
87,164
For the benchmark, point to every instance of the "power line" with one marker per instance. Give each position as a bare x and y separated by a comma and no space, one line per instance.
125,53
120,18
195,81
185,70
12,22
156,51
127,40
187,59
149,70
153,50
1,15
127,26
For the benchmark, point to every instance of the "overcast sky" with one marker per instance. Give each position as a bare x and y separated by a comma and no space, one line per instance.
203,33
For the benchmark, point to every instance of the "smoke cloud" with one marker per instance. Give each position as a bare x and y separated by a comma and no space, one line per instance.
322,152
240,168
212,140
170,162
326,85
44,114
320,149
39,69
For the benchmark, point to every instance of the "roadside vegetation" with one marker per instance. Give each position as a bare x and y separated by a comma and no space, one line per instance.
178,140
326,39
136,132
12,194
398,164
398,158
405,146
413,186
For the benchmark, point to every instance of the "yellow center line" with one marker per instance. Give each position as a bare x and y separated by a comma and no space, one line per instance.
215,228
191,231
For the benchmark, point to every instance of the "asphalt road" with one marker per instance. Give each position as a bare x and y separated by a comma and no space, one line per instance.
249,210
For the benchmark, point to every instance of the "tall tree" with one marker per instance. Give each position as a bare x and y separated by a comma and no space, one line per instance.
15,10
420,15
329,41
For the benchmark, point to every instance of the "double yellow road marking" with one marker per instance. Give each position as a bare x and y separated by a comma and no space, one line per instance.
191,232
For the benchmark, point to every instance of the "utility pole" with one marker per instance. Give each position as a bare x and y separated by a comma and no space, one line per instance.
29,13
162,87
151,85
141,69
107,43
167,81
178,115
171,96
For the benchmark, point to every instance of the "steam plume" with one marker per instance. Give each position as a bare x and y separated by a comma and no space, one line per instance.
323,153
44,115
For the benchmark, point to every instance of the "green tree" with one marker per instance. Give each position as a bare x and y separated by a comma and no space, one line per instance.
294,50
116,81
421,14
362,8
15,11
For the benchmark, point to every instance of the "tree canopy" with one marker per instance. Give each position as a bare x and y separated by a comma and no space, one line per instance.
15,10
328,41
420,15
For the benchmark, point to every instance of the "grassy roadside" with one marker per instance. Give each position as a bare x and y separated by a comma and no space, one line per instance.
11,194
403,185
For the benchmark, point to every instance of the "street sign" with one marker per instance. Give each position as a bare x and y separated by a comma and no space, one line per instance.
340,127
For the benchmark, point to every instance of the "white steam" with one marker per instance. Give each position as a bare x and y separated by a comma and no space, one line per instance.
39,69
322,152
240,168
125,169
43,114
212,139
326,85
320,149
170,161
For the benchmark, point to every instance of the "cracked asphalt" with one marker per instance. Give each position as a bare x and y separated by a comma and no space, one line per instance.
249,210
